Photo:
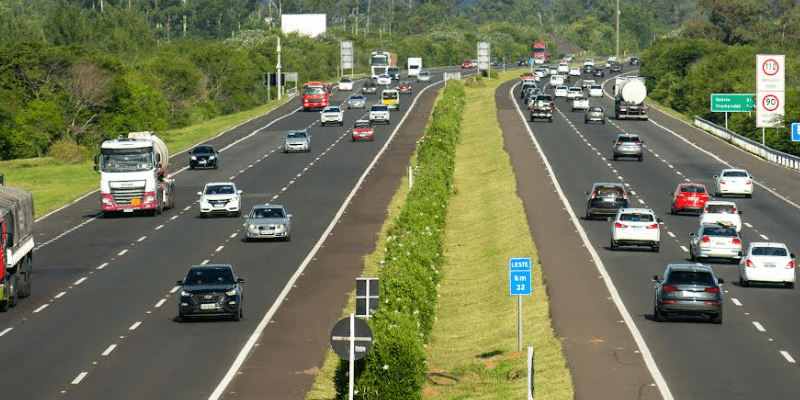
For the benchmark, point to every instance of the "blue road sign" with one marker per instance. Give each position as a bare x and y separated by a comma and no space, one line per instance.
519,276
796,132
530,62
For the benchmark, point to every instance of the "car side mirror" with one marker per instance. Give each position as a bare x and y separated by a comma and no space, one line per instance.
288,215
720,280
691,234
586,192
179,283
655,278
715,176
659,219
240,280
199,193
239,191
739,254
740,212
791,255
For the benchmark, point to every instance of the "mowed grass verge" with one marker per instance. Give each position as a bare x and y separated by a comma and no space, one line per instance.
473,352
55,184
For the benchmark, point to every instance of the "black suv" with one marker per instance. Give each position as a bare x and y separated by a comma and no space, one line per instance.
605,198
599,72
616,66
634,60
210,290
204,156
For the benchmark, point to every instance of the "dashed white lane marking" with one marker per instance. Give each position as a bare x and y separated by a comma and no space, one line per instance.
135,325
234,235
173,217
684,249
122,252
161,303
160,226
759,327
232,178
219,249
103,265
6,331
641,201
204,262
786,355
670,234
763,236
79,378
60,295
42,307
187,208
108,350
747,224
79,281
65,233
141,239
736,301
174,289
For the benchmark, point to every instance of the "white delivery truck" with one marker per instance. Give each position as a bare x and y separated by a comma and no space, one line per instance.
414,66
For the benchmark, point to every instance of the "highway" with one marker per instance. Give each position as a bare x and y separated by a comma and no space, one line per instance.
101,321
752,354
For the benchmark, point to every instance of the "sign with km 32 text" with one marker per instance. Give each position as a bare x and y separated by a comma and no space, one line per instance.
519,276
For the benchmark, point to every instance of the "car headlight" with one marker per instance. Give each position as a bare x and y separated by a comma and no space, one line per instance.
232,292
185,293
281,226
212,157
194,158
107,201
150,199
252,226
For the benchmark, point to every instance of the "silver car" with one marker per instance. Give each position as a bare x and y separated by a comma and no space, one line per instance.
716,241
688,289
424,76
595,114
297,141
356,101
626,145
268,221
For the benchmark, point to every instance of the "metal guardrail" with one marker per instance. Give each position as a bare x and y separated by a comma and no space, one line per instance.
772,155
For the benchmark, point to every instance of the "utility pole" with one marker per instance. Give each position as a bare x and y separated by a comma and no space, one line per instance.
618,30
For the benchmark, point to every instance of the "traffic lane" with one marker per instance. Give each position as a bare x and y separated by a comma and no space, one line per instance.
601,235
601,352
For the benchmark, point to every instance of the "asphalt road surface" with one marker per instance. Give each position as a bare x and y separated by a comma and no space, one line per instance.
751,355
101,321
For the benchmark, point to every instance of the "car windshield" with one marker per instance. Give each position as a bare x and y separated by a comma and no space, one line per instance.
119,162
362,125
345,80
310,91
607,191
209,276
693,189
719,231
356,97
719,208
769,251
379,108
690,278
636,217
389,95
631,139
220,189
369,84
735,174
332,109
595,87
202,150
596,109
296,135
267,213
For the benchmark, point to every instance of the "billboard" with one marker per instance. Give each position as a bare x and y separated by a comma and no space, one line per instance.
304,24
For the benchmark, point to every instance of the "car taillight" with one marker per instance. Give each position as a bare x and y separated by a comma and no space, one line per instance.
654,226
624,195
747,182
749,264
594,193
669,288
736,241
735,210
711,303
705,239
619,143
790,265
618,225
638,143
711,290
721,182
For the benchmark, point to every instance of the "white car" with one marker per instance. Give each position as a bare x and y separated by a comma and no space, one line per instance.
589,61
767,262
715,241
345,84
556,80
331,115
560,91
733,181
574,71
424,76
384,79
220,198
563,68
580,104
538,60
595,91
379,113
539,73
724,212
574,92
635,227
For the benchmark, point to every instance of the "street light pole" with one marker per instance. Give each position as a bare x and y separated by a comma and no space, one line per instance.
280,81
618,30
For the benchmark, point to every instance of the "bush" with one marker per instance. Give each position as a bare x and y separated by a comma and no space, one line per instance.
69,152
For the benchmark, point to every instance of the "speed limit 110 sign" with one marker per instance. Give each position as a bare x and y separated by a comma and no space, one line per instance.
770,89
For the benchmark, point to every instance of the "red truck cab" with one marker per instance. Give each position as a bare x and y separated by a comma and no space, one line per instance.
316,95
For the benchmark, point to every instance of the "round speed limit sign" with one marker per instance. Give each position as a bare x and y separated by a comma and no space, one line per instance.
770,67
770,102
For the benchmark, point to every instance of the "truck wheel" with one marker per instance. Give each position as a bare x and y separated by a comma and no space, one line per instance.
26,286
12,290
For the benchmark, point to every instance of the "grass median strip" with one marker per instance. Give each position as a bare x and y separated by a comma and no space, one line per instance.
473,351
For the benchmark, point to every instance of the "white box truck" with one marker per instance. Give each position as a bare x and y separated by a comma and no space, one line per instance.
414,66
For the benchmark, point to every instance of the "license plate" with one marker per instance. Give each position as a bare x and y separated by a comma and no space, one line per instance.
769,265
218,206
208,306
609,199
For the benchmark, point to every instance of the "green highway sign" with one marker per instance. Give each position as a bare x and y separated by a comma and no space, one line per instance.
733,102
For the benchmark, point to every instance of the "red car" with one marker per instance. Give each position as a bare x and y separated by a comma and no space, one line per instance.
466,64
404,87
362,130
689,197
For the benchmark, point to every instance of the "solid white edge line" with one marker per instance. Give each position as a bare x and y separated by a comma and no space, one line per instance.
637,335
6,331
79,378
237,363
786,355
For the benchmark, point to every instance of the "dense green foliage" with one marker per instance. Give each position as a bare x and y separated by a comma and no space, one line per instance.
395,367
716,54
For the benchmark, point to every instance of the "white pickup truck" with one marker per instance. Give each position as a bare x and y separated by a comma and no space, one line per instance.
332,115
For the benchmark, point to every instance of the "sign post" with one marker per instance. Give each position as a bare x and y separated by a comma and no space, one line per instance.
770,91
351,339
530,373
519,281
